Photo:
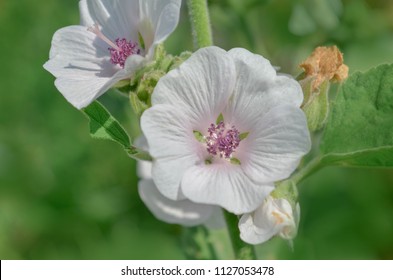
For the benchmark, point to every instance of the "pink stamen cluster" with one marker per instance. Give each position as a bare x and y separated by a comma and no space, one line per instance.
119,51
222,141
123,51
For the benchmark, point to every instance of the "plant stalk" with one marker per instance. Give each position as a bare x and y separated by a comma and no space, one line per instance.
200,23
313,166
242,250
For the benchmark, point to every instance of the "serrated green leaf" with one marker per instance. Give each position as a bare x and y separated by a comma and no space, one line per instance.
359,131
105,126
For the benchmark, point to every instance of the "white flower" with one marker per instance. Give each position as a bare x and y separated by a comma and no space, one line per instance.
223,128
273,217
183,212
90,58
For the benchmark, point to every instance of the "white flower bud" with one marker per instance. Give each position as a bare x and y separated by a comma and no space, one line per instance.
273,217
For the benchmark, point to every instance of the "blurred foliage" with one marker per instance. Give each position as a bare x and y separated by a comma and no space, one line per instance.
64,195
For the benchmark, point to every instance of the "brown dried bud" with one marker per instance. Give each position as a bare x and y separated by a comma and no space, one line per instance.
325,64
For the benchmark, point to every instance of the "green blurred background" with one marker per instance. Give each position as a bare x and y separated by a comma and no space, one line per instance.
64,195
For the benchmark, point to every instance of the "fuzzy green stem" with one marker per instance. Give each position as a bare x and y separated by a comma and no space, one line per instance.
313,166
242,250
200,23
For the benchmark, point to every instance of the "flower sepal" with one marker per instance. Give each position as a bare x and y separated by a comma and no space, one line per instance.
287,190
316,103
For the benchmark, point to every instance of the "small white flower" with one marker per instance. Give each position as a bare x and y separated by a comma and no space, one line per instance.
273,217
223,128
90,58
183,212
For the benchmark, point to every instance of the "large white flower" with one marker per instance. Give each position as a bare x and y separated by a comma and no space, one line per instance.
223,128
183,212
273,217
115,38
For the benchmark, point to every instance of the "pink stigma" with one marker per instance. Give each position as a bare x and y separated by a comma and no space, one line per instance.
123,51
222,141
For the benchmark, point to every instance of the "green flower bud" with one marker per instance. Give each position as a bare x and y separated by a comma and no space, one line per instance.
315,104
141,86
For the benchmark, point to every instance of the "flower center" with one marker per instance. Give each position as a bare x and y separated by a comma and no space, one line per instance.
221,140
123,51
120,50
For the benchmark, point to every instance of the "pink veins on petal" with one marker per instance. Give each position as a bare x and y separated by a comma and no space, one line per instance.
222,141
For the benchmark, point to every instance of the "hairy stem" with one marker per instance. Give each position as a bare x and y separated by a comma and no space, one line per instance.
200,23
313,166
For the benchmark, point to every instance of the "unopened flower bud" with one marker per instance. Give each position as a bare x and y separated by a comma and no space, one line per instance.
274,217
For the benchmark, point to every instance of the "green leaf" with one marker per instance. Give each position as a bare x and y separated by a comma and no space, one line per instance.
139,154
359,131
104,126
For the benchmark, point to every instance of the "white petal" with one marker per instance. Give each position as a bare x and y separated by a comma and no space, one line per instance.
259,88
216,219
76,43
201,86
81,90
143,169
158,19
80,63
182,212
224,185
171,144
248,231
117,18
168,132
274,148
141,143
75,61
86,18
